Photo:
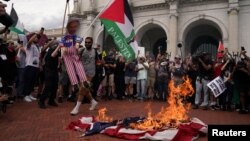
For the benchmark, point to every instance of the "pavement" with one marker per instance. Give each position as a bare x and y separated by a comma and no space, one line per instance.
26,122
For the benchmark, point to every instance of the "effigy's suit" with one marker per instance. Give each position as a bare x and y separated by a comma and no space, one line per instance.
72,61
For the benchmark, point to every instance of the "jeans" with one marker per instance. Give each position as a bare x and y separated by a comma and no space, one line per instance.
201,84
162,89
141,88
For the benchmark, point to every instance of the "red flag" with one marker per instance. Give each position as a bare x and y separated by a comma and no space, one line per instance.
220,50
221,47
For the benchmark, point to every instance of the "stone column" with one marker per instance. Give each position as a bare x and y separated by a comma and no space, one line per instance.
90,13
76,9
233,26
90,18
172,48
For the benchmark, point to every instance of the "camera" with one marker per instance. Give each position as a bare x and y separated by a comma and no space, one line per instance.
19,42
242,48
5,19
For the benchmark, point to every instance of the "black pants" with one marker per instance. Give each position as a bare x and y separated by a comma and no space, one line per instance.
30,77
225,99
51,85
96,81
120,85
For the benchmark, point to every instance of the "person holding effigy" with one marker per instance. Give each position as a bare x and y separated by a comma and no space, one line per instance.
70,45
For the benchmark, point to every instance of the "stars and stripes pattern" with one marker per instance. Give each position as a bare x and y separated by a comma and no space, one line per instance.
120,129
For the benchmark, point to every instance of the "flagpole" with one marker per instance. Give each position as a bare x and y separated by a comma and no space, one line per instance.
64,17
99,14
103,39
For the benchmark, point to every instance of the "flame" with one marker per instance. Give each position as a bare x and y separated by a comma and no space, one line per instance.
102,115
174,113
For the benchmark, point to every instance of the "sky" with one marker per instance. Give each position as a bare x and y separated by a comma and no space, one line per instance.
35,14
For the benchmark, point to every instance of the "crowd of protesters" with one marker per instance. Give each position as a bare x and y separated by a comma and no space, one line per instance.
87,71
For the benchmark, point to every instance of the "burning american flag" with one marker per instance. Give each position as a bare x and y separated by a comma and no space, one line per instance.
170,124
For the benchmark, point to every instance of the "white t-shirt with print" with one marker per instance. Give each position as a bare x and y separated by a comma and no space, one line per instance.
32,56
142,74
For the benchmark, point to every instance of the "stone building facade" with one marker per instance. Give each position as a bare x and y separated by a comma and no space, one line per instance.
198,25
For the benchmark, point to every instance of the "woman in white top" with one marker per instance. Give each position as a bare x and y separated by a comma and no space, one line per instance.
141,69
31,67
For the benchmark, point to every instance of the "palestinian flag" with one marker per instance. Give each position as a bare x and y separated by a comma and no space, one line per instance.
118,22
17,26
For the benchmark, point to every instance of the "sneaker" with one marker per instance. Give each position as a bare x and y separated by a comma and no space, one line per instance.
217,107
9,102
27,99
93,105
203,105
32,97
212,108
212,104
74,112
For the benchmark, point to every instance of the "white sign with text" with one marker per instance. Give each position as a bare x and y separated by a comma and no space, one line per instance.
217,86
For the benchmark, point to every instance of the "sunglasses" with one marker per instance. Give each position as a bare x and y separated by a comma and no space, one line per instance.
88,42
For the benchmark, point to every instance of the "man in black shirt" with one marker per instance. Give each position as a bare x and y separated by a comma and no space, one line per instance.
242,82
51,75
108,81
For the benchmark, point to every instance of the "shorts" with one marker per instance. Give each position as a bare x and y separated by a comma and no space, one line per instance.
150,82
110,82
130,80
90,73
